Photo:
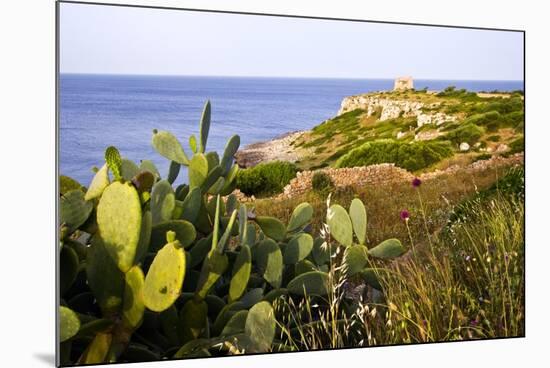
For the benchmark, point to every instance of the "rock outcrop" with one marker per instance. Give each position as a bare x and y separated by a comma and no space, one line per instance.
279,148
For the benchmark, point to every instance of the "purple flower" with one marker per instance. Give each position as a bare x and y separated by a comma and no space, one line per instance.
473,322
416,182
405,215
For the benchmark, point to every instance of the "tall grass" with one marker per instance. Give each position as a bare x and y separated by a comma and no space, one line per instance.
468,285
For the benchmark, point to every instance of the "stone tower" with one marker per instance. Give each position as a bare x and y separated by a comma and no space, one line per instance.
403,83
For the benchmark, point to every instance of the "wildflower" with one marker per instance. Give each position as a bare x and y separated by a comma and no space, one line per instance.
473,323
405,215
416,182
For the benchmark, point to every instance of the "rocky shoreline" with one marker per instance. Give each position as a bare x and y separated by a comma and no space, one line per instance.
279,148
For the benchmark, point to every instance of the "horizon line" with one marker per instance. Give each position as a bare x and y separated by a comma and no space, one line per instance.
283,77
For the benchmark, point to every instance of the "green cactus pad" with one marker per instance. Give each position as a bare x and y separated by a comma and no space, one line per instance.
252,297
169,323
260,327
236,324
320,252
213,160
90,329
66,184
132,305
98,184
372,276
217,187
104,278
213,176
144,181
173,172
192,205
227,233
358,216
163,201
213,267
168,146
309,283
215,304
68,268
69,324
204,126
184,230
181,192
193,319
199,251
388,249
193,143
114,161
74,209
148,165
232,203
164,278
340,225
98,350
128,169
272,227
139,353
144,236
241,273
303,267
229,153
119,222
198,170
270,260
275,294
301,216
355,258
225,315
298,248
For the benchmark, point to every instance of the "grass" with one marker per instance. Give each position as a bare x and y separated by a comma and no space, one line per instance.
468,285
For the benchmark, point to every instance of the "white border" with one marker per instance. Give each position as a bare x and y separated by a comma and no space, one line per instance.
27,181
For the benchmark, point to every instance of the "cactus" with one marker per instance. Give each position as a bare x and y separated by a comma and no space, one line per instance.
104,278
229,153
199,251
301,216
119,222
193,319
214,175
66,184
193,143
192,205
69,268
173,172
163,201
214,266
272,227
68,322
260,327
372,276
340,225
198,170
148,165
309,283
241,273
298,248
236,324
204,126
270,259
132,305
143,181
74,209
165,276
98,184
98,350
168,146
128,169
144,236
358,216
355,258
184,232
114,161
388,249
303,267
320,252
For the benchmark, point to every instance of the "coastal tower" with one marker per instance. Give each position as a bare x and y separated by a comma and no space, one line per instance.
403,83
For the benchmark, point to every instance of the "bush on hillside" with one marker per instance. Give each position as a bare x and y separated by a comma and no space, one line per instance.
321,183
469,133
410,156
266,179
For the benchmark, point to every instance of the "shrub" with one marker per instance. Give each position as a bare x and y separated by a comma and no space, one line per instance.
321,183
494,138
411,156
517,145
267,178
468,132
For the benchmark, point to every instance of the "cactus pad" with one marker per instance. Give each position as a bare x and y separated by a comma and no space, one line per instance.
114,161
168,146
270,260
241,273
198,170
358,216
340,225
173,172
163,201
272,227
119,222
355,258
193,319
69,324
184,231
309,283
204,126
260,327
298,248
388,249
301,216
132,305
98,184
74,209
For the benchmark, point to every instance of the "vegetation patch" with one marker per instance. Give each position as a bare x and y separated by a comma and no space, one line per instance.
410,156
266,179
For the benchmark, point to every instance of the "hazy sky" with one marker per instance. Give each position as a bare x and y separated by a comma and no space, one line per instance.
123,40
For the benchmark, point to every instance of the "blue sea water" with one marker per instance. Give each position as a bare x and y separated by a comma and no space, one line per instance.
97,111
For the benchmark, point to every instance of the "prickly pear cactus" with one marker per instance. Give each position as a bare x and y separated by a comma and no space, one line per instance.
340,225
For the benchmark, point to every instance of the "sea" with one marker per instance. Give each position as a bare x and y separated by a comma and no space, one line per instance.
97,111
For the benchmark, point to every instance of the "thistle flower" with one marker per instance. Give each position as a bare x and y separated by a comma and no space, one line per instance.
405,215
416,182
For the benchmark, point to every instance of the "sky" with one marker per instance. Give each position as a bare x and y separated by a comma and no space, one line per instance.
123,40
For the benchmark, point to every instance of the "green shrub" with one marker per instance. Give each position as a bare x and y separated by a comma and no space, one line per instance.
267,178
468,132
411,156
321,183
517,145
494,138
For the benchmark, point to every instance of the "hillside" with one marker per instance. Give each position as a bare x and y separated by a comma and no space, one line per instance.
416,130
